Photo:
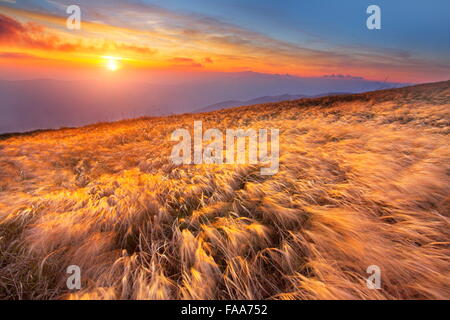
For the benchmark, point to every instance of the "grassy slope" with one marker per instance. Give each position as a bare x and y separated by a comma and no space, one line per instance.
363,180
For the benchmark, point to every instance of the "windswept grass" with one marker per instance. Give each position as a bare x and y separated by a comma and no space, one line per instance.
363,180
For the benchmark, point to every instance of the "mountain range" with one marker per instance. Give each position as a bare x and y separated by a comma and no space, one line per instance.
265,99
50,104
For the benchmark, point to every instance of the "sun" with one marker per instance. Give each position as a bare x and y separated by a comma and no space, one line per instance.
112,63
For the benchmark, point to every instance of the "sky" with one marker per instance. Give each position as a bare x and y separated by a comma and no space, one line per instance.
134,39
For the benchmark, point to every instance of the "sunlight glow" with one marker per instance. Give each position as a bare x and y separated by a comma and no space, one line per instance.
112,63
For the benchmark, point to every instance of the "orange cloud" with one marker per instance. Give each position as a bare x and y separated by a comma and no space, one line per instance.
180,61
33,36
17,55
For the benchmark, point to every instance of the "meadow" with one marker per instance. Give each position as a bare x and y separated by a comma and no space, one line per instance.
363,180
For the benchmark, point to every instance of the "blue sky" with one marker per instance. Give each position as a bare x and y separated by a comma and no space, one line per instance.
415,25
419,26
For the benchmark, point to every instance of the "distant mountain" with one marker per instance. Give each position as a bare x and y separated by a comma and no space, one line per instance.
27,105
266,99
237,103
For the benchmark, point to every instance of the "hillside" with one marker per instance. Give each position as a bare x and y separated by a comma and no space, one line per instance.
364,180
237,103
266,99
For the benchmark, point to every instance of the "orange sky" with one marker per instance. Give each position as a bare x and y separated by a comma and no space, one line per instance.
40,45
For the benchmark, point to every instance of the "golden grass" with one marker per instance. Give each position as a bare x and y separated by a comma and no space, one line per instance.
363,180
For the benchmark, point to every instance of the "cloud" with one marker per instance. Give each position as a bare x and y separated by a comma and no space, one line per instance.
208,60
9,27
342,76
181,61
32,35
29,35
17,55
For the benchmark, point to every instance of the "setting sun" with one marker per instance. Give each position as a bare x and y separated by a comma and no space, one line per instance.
112,63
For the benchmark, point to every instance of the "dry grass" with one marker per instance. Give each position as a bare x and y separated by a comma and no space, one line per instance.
364,179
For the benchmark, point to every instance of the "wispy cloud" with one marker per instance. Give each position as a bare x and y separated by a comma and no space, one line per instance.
17,55
180,61
33,35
